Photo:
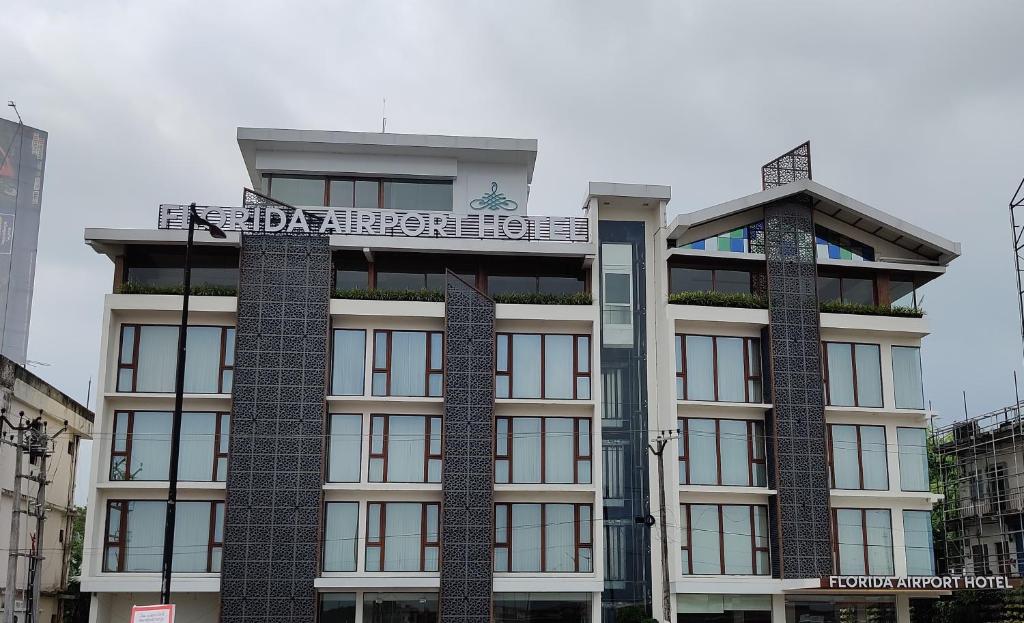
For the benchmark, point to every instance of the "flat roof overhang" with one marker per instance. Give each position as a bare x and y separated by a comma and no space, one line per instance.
112,242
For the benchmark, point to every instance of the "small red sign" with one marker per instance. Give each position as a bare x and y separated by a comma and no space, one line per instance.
153,614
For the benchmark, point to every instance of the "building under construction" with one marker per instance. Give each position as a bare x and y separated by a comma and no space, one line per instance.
978,466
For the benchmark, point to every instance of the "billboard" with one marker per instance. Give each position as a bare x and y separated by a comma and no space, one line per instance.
22,157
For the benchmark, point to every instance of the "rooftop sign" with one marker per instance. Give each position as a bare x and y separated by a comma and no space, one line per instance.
916,583
264,215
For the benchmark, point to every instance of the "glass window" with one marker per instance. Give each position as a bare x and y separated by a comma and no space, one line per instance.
691,279
135,536
724,539
853,374
297,191
367,194
337,608
732,281
347,362
917,534
407,363
902,294
913,448
418,195
340,530
164,267
400,607
405,448
829,289
852,290
534,450
906,377
718,368
718,608
542,366
721,452
141,446
151,366
546,607
351,271
864,541
859,457
543,538
402,536
342,193
345,443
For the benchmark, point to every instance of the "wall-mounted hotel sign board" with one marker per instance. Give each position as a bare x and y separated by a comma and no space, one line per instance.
264,215
917,583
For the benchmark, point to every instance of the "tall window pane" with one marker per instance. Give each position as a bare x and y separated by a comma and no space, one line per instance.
869,376
345,443
526,530
876,465
913,447
731,376
202,366
559,538
340,530
917,531
735,458
558,366
840,374
406,446
151,447
408,363
191,536
845,462
402,532
198,433
700,367
906,373
703,456
157,347
738,543
526,366
337,608
297,191
526,442
879,529
705,544
348,361
145,538
558,450
850,534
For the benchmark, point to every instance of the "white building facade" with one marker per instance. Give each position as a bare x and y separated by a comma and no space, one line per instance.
407,399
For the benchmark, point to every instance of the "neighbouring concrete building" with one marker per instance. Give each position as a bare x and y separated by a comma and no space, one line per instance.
24,392
410,399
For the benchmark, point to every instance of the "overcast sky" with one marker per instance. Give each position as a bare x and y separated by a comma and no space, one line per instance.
916,108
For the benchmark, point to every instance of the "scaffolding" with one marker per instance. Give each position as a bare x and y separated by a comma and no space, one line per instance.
978,467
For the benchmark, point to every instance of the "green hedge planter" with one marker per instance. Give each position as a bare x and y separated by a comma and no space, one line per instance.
838,307
196,290
434,296
718,299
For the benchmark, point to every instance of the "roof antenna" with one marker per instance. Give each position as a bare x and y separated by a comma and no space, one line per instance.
383,116
15,107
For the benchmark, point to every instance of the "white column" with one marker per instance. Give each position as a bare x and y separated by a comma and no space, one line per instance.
778,608
902,609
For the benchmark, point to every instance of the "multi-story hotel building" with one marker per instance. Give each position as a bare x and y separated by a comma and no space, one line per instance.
409,400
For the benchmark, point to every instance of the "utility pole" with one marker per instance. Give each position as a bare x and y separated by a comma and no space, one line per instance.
10,590
657,447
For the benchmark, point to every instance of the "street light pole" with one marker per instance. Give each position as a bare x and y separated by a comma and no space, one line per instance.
179,391
657,448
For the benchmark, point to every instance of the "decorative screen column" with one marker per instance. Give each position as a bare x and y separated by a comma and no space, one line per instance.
801,526
467,475
275,474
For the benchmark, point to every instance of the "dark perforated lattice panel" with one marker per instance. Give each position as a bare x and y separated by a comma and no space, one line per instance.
791,166
272,526
803,544
467,510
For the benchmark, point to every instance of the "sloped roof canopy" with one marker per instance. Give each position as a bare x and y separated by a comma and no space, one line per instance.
861,216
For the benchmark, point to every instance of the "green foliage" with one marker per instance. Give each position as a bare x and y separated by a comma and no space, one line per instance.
718,299
201,289
538,298
839,307
633,614
363,294
77,539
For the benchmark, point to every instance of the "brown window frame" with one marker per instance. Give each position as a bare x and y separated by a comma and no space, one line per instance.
860,458
853,356
220,450
748,377
327,179
752,460
842,290
133,365
583,541
579,456
431,369
714,278
382,455
577,372
864,537
755,550
425,543
121,540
